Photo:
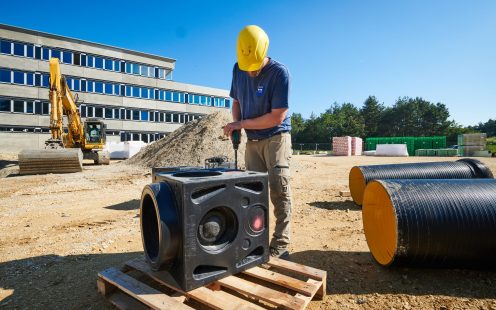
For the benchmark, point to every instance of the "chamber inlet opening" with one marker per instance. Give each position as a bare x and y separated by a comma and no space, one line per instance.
149,227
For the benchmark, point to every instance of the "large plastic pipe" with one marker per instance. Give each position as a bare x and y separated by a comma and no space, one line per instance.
431,222
466,168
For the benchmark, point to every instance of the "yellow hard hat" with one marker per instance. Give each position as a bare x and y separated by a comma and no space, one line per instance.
252,47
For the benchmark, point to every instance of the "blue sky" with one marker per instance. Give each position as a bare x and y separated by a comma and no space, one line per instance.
336,51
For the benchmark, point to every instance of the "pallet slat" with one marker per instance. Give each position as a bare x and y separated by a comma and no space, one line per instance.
304,288
269,295
215,299
147,295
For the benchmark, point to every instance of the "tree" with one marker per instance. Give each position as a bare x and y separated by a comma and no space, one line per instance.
371,113
297,126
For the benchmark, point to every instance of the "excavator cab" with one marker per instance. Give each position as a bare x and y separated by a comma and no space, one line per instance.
94,141
94,133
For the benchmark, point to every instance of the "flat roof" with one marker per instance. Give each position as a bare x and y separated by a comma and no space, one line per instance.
59,37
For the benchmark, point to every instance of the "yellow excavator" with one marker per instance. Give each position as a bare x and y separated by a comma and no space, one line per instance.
64,152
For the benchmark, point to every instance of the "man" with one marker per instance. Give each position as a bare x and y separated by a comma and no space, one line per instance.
260,89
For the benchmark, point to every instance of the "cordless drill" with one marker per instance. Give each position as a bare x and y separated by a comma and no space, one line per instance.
236,139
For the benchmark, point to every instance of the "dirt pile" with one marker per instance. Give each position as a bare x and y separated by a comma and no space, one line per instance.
191,144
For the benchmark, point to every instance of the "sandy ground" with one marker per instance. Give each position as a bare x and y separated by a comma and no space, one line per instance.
58,231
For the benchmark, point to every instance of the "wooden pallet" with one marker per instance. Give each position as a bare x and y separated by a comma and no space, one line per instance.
277,284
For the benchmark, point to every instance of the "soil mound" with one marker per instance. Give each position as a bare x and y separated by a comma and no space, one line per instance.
191,144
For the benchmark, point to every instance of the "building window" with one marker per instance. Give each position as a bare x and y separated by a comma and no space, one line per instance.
77,59
90,86
128,114
128,91
108,113
98,112
83,60
19,77
136,115
99,62
136,91
19,49
109,64
161,73
5,47
37,52
77,85
5,76
37,107
45,108
99,87
83,110
29,107
144,93
168,96
46,53
30,78
55,54
109,88
44,80
144,115
136,69
168,117
91,61
175,96
129,68
67,57
29,50
116,89
4,105
18,106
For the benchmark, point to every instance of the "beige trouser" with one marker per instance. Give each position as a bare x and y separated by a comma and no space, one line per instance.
273,155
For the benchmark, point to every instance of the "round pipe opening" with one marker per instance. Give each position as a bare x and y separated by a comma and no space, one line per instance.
149,228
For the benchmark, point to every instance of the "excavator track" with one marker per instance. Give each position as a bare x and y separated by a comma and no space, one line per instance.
50,161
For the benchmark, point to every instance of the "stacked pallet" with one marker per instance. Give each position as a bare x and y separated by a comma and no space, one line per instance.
341,146
473,144
356,146
347,146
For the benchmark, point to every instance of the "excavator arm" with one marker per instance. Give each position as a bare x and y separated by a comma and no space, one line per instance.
62,102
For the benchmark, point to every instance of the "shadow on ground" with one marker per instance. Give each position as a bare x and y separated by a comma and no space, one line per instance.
336,205
57,282
126,206
358,273
7,163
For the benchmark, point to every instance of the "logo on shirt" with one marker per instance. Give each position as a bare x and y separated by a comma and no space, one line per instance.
260,90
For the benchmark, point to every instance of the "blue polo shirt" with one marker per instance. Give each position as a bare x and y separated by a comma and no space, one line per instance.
259,95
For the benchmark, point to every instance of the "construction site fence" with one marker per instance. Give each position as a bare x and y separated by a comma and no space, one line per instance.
322,147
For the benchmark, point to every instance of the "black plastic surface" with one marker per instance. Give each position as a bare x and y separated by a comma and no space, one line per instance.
204,223
444,222
466,168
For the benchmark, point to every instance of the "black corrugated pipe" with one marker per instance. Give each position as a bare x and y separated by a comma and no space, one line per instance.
466,168
431,222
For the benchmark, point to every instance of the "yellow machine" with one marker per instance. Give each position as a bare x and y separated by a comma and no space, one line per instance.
64,152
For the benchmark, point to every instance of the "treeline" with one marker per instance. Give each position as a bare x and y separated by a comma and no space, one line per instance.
407,117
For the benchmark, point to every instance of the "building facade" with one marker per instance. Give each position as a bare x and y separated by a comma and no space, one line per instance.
132,91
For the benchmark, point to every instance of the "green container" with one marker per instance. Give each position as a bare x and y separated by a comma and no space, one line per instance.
370,144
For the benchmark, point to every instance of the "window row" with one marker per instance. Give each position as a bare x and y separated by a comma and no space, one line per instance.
26,106
82,59
108,88
136,114
146,137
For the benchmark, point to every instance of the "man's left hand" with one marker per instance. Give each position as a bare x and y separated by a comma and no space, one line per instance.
229,128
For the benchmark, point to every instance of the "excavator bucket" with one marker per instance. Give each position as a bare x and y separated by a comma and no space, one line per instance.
50,161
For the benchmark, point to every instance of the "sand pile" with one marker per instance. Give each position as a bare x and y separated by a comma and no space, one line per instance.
191,144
